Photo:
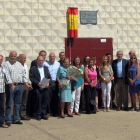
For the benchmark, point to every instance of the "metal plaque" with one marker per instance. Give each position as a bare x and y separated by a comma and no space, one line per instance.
88,17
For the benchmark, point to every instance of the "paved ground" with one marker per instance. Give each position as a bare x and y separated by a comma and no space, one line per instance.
111,125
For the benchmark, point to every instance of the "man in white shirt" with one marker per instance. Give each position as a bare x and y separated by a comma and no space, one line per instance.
53,67
23,116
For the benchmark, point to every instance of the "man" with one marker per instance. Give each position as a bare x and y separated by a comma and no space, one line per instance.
31,98
120,69
15,77
53,67
41,53
2,93
37,73
23,116
132,52
62,57
113,86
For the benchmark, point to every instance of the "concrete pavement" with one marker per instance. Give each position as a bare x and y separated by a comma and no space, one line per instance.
111,125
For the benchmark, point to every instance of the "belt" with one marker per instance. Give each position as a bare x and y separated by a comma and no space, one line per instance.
120,77
18,84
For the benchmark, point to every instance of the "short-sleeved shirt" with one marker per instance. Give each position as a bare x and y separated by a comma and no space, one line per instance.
80,81
106,72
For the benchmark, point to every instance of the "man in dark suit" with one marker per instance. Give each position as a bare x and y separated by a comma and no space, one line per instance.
41,53
120,69
37,73
31,103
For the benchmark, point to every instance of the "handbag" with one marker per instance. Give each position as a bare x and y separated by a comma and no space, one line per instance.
92,102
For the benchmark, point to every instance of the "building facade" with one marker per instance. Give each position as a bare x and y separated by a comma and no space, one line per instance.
29,26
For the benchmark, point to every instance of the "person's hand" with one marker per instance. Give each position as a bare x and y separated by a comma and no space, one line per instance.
12,87
60,84
91,85
39,84
47,85
82,88
131,82
107,81
68,77
29,86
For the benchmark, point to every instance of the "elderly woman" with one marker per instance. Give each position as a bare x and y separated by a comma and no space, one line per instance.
90,86
66,95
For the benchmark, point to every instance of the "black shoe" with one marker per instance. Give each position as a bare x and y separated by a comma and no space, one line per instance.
125,109
24,118
8,123
18,122
70,115
62,117
45,117
114,106
38,118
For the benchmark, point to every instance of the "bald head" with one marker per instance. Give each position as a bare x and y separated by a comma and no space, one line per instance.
13,56
22,59
52,57
132,52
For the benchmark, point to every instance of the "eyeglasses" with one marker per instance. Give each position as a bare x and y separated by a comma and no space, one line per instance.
133,58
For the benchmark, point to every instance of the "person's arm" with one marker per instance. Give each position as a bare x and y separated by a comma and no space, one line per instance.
86,77
111,74
32,78
82,88
7,76
138,74
58,77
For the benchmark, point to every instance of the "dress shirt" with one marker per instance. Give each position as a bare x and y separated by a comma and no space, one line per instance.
53,68
14,72
41,72
26,71
119,68
2,71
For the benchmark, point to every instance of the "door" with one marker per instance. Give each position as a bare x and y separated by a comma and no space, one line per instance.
88,46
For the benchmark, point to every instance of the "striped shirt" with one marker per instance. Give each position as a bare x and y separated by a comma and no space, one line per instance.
14,72
2,79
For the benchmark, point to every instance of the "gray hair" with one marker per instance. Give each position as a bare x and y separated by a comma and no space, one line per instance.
119,51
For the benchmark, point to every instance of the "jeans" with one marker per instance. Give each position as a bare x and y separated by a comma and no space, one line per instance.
1,109
15,95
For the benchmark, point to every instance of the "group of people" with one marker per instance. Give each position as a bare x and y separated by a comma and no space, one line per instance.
117,77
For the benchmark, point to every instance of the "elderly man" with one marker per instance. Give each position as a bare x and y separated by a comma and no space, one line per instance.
2,91
23,116
15,78
62,57
41,53
37,73
53,67
120,69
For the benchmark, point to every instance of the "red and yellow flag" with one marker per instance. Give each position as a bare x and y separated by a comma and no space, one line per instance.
73,22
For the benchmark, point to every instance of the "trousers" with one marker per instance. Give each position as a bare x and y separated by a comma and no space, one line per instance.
106,88
1,109
76,99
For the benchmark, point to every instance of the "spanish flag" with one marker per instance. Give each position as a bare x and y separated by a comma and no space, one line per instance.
73,22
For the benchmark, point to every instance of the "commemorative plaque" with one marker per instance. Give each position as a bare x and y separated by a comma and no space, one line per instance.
88,17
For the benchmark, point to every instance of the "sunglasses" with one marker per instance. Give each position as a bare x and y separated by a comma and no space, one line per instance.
133,58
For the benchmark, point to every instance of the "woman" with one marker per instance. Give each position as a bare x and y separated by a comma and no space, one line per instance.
90,86
65,90
85,62
106,73
98,87
134,80
78,86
